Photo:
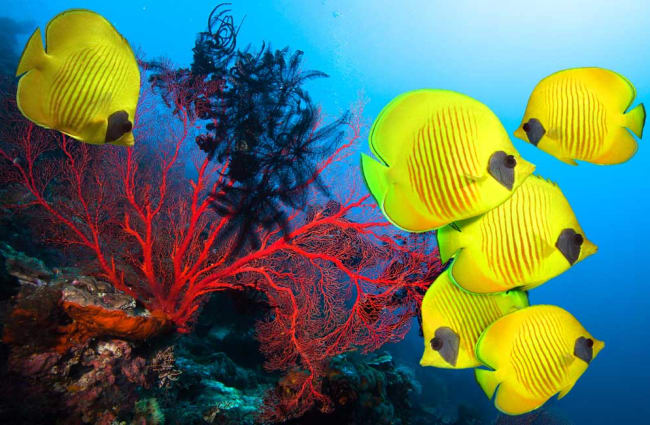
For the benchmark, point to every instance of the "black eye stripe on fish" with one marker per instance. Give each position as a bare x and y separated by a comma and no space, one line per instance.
502,167
534,130
446,342
583,349
569,243
118,124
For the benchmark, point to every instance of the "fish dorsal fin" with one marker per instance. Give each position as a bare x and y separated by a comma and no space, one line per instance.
76,29
613,89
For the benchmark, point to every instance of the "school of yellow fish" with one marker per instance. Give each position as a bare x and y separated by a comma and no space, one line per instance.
446,163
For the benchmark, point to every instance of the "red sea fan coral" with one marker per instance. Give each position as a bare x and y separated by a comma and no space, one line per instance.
341,279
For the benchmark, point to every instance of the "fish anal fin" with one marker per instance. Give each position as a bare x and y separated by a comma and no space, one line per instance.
470,276
622,146
566,390
568,161
403,208
93,132
509,401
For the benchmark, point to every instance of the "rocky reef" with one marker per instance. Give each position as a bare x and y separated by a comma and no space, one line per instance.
75,354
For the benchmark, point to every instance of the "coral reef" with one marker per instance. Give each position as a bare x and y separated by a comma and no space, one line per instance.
77,377
340,280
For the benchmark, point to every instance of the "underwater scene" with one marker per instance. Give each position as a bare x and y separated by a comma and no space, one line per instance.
324,212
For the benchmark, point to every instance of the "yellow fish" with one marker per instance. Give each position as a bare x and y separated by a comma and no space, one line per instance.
453,319
444,157
580,114
536,352
85,85
522,243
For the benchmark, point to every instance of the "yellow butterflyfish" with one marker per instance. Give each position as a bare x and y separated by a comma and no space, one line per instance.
453,319
443,157
581,114
85,85
529,239
535,353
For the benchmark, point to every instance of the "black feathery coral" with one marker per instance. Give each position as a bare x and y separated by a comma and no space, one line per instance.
263,123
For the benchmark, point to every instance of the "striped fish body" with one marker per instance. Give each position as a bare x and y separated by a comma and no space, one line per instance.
580,114
87,83
435,148
536,352
519,244
464,316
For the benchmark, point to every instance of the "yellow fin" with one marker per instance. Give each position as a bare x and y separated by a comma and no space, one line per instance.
384,132
33,56
29,98
566,390
75,29
509,401
401,207
126,140
494,342
476,179
466,274
613,88
488,381
374,174
635,120
450,241
622,147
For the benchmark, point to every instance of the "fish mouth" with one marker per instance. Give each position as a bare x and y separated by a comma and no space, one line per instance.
520,133
588,248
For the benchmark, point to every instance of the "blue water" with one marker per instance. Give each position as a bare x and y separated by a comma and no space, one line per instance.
495,52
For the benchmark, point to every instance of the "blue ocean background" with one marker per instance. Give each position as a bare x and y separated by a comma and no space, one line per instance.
495,52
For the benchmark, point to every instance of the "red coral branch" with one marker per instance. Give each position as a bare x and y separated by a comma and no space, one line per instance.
341,279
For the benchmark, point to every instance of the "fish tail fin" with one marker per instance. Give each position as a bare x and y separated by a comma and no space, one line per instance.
488,381
635,120
34,55
374,173
449,242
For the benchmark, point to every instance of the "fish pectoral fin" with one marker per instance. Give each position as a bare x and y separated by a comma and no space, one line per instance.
568,161
475,179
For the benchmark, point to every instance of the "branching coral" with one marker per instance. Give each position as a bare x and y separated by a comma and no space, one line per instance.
336,278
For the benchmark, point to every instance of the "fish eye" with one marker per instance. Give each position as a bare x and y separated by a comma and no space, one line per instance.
526,127
436,343
510,161
589,342
578,239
